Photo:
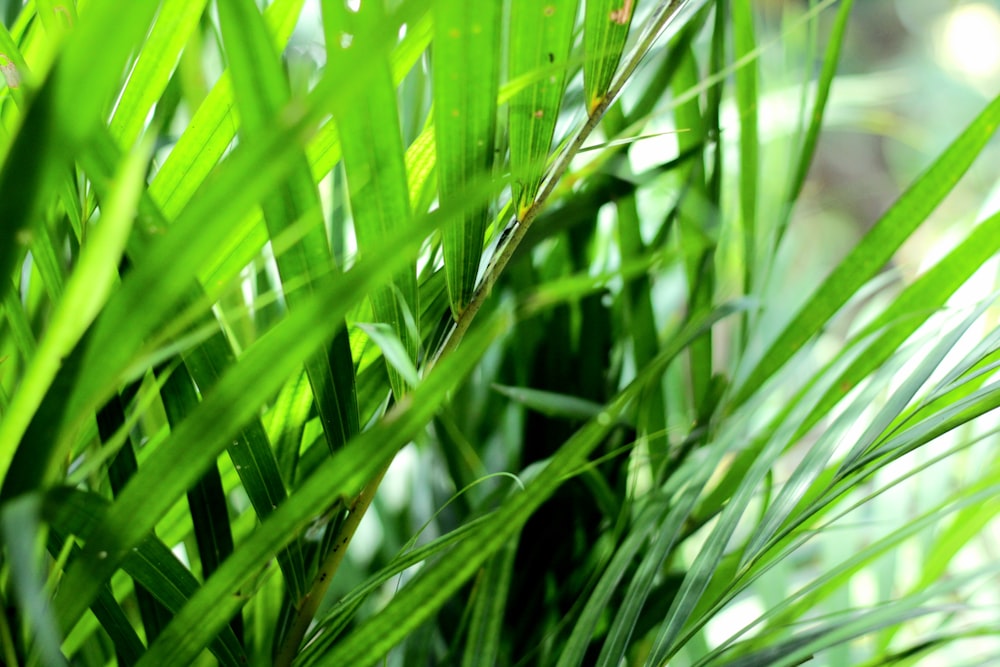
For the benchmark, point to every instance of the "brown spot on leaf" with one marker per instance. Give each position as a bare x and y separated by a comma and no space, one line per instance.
621,16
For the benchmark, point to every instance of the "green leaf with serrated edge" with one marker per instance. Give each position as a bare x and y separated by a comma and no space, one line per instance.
875,249
541,35
368,126
261,91
421,597
605,29
466,69
343,474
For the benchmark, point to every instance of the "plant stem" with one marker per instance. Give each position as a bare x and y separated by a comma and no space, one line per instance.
499,262
306,607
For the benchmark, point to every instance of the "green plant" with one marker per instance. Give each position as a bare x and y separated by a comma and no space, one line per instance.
231,299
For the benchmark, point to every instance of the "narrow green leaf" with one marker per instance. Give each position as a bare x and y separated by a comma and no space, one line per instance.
488,608
286,422
323,152
435,584
466,72
541,35
129,317
698,212
86,292
421,158
875,249
13,67
329,627
343,474
908,311
392,350
209,429
605,29
21,528
794,606
211,129
156,60
110,422
207,503
150,562
912,308
251,454
261,92
816,459
746,77
831,59
580,639
665,536
551,403
376,173
128,647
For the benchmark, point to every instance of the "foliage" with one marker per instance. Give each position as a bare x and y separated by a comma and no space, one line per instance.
440,287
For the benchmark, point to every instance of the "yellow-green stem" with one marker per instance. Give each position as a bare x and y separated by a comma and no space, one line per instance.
506,251
305,609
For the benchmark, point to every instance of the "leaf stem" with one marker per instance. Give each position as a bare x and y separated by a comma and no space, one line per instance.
306,607
662,17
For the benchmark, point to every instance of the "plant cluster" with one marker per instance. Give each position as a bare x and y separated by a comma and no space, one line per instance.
466,345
